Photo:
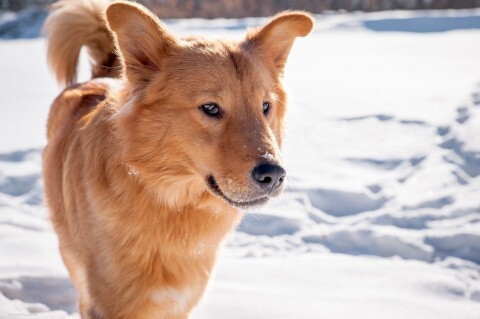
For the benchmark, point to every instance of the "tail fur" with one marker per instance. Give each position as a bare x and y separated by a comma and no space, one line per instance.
73,24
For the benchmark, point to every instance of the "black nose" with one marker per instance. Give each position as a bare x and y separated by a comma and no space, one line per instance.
269,176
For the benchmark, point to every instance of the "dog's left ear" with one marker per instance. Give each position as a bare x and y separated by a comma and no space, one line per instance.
274,40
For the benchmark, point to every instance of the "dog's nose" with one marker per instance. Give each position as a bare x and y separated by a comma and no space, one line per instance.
269,176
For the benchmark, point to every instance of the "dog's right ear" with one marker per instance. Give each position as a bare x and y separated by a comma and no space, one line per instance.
141,39
274,40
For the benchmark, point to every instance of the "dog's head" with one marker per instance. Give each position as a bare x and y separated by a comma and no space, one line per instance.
203,117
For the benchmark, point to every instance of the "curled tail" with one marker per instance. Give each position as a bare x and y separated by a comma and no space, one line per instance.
73,24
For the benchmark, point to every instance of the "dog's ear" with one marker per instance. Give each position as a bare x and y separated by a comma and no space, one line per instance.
141,39
274,40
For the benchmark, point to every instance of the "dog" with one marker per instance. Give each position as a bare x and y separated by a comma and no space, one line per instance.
148,163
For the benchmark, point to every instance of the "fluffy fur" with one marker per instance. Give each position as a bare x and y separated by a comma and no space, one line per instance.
130,156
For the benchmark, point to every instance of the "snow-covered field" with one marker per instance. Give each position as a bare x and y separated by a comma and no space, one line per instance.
381,218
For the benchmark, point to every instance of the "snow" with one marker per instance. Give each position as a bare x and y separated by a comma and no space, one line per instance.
381,216
335,286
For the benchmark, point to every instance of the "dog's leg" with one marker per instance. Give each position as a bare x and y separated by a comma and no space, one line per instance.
77,274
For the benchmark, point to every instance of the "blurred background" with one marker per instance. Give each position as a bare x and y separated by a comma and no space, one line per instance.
30,14
253,8
381,214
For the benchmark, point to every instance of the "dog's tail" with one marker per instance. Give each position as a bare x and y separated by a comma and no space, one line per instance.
73,24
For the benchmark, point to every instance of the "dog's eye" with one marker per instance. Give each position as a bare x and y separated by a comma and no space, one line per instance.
211,109
266,107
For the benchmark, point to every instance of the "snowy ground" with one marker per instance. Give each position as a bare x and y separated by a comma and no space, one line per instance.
381,218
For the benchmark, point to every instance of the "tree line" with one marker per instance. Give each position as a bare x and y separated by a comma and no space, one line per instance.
246,8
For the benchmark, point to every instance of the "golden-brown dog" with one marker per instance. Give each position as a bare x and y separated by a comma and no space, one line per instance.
147,162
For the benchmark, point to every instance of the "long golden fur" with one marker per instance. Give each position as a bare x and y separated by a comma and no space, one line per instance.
142,183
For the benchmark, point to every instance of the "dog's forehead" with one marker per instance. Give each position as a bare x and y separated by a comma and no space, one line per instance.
222,59
220,71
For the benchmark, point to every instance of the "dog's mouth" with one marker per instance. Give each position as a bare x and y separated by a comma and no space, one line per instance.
212,184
